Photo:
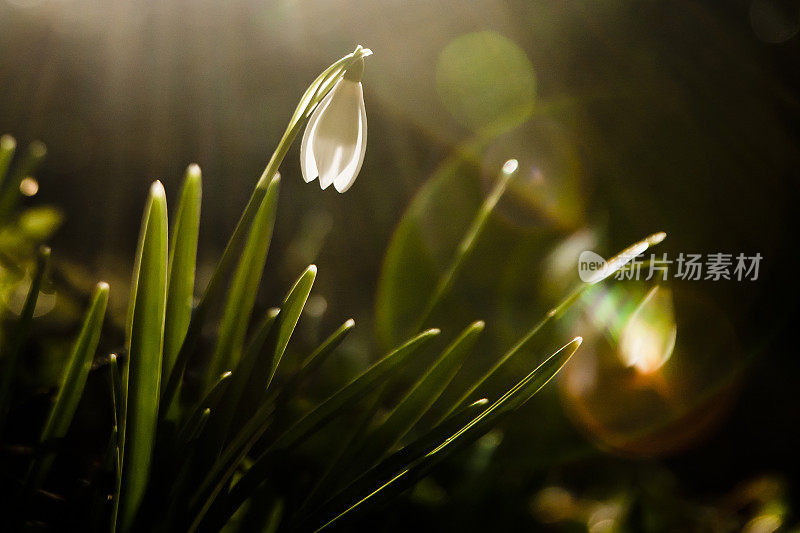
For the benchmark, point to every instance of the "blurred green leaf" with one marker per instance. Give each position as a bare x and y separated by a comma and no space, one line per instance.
13,350
617,262
9,192
76,372
39,223
467,243
423,246
7,147
144,342
182,257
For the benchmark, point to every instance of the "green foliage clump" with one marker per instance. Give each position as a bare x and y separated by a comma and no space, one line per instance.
201,444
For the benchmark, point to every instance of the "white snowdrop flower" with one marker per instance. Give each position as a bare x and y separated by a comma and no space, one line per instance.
336,135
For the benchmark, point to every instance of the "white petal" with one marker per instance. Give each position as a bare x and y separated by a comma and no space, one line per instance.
308,166
335,139
348,176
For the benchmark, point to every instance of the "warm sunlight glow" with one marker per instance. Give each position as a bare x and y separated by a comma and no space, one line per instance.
648,339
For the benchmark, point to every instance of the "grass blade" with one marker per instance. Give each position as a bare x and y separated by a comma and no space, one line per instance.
513,399
468,241
313,361
75,375
181,269
242,294
215,289
20,335
116,400
263,371
422,395
210,401
144,340
397,462
320,415
612,265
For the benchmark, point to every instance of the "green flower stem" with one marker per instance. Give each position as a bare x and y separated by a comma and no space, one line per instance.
215,289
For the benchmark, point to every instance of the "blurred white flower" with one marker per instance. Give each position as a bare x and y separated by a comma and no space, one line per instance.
336,135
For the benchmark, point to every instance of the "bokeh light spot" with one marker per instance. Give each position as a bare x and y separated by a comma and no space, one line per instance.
486,81
649,336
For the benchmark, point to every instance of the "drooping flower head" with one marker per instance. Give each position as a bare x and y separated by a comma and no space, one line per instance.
335,139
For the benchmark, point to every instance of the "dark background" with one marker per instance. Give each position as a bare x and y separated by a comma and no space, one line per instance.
649,115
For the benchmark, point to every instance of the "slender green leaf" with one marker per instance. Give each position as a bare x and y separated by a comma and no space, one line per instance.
313,361
263,371
74,380
215,289
398,461
144,342
468,241
423,394
181,269
612,265
312,421
242,294
19,335
210,401
116,401
513,399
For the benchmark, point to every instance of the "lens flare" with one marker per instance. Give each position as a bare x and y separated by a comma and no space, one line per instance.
649,336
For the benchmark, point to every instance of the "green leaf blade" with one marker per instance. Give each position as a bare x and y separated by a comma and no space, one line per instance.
423,393
75,375
242,294
181,269
145,337
515,397
316,418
